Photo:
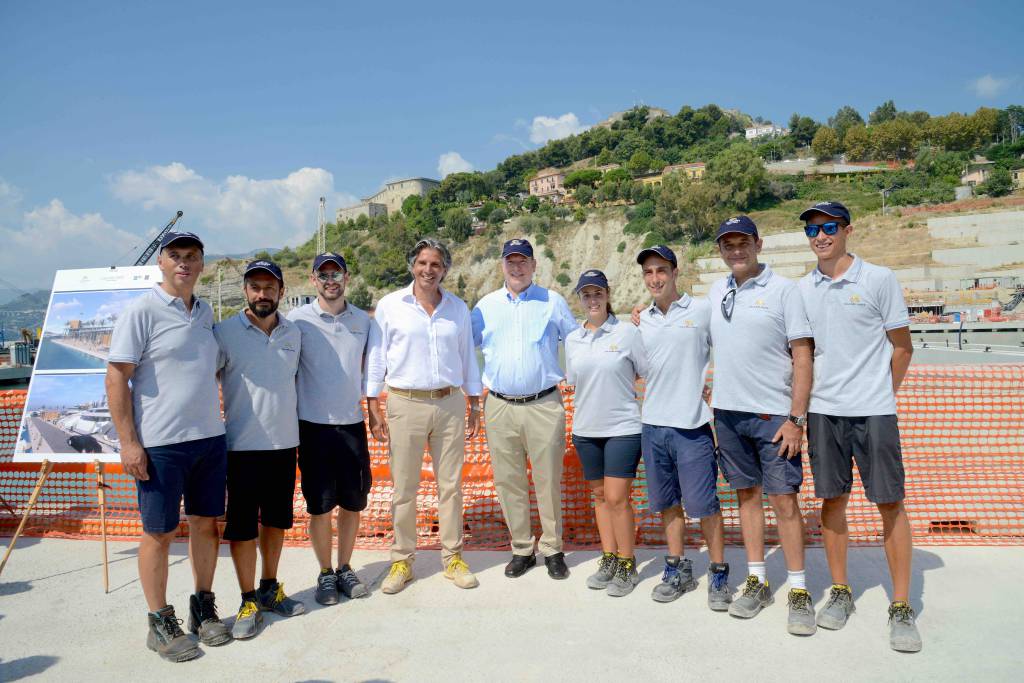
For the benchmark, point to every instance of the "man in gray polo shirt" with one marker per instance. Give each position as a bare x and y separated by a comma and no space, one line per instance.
677,443
862,350
762,348
172,438
259,358
334,457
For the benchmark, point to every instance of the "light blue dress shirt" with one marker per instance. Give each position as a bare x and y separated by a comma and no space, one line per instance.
519,337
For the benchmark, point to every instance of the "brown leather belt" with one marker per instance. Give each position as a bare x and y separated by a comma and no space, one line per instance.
421,394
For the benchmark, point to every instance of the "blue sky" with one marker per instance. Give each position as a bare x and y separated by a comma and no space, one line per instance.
113,115
67,306
65,390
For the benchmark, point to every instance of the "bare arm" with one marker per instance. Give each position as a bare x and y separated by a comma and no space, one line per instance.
473,426
790,434
119,397
902,351
378,423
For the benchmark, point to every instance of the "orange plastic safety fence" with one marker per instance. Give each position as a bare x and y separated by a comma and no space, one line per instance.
963,451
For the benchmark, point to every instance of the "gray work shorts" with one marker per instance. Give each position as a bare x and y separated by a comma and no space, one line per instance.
873,442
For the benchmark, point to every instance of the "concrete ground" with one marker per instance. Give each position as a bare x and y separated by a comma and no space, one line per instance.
56,623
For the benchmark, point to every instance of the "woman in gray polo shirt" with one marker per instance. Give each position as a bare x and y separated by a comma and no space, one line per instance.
603,359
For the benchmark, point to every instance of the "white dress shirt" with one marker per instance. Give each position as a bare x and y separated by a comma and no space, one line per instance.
422,351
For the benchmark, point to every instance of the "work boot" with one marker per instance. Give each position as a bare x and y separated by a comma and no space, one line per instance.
719,593
273,599
625,579
674,581
600,579
903,633
203,620
801,613
166,638
756,596
838,609
248,621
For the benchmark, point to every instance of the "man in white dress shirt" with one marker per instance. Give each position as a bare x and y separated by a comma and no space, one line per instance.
426,356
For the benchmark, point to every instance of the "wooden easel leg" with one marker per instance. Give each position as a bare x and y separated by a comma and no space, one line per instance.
101,493
44,472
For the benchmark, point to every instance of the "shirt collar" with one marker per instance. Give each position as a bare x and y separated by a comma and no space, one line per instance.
761,279
525,295
282,321
169,300
409,297
852,273
322,313
606,327
682,302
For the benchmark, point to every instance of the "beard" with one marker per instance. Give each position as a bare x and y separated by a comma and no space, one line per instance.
263,309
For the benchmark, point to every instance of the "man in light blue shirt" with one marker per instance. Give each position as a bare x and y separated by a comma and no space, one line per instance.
518,329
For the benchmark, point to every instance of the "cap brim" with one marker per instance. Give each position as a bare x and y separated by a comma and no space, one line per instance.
736,232
184,240
815,209
336,262
651,252
257,269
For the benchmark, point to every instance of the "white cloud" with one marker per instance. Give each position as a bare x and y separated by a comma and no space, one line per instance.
238,213
989,86
545,128
61,305
452,162
50,237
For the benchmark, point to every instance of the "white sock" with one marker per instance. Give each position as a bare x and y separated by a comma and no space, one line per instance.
797,579
757,569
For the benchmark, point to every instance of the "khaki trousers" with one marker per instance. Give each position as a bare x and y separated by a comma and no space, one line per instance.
414,424
515,432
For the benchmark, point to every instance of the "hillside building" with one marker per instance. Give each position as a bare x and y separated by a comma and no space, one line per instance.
693,171
548,184
760,130
389,199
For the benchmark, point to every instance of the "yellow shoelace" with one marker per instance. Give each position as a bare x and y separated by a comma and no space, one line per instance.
456,565
279,596
248,609
398,568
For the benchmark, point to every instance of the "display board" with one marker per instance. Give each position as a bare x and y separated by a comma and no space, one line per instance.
67,417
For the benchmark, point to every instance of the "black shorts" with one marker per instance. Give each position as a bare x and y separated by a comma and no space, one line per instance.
261,490
335,464
834,443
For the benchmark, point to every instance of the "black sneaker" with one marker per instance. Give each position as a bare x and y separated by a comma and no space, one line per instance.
166,638
274,599
203,620
349,583
326,588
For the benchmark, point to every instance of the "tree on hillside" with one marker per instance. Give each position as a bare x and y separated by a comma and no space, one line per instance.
531,203
458,224
886,111
687,208
640,162
845,118
584,176
999,183
895,139
584,195
412,205
741,175
802,129
497,216
825,143
484,211
617,175
604,157
857,143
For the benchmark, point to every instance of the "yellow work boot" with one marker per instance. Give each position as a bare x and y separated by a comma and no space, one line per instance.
398,577
456,569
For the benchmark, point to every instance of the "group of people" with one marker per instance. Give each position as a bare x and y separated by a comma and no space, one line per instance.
826,354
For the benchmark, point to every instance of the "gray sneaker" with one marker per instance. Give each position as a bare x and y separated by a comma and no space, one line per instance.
326,588
903,634
674,582
166,638
600,579
204,622
273,599
719,593
837,610
756,596
625,579
248,621
349,583
801,613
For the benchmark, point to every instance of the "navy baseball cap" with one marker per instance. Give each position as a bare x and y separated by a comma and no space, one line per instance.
520,245
330,257
268,266
658,250
591,277
741,225
834,209
172,237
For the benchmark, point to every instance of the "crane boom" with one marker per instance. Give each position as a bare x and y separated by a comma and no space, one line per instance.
155,244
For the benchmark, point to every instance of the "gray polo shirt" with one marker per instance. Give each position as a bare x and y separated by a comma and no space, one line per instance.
604,365
678,351
174,387
258,380
753,367
332,363
852,354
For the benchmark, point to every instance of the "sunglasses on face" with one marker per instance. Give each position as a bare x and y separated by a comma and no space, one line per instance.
812,229
333,276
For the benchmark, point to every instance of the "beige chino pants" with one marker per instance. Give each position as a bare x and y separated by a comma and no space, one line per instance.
515,432
414,424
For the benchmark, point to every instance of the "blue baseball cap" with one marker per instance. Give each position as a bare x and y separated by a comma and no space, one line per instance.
740,225
172,237
520,245
591,277
658,250
834,209
263,264
331,257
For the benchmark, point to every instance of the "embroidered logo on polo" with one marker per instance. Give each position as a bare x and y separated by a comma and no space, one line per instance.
759,303
854,300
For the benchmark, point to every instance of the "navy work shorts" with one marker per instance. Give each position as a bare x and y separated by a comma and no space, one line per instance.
195,470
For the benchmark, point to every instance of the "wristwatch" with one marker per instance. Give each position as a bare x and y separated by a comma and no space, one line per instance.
798,420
